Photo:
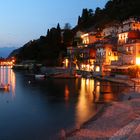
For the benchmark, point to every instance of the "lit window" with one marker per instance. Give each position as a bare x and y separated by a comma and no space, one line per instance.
97,68
131,49
138,61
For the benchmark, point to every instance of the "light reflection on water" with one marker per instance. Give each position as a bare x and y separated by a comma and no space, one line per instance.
42,108
7,76
84,105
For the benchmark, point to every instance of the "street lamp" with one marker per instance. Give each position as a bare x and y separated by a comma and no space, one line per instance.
138,61
138,66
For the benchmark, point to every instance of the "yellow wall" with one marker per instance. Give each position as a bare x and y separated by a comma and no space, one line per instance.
122,38
110,56
135,26
137,46
89,39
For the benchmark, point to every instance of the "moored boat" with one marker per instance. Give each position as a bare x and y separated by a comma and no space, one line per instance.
66,76
39,76
4,86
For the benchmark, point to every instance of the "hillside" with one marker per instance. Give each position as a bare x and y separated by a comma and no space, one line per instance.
4,51
51,49
114,10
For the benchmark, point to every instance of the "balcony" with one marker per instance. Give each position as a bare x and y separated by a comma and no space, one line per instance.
115,63
121,49
129,41
124,50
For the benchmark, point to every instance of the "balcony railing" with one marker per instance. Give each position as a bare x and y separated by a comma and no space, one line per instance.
129,41
122,49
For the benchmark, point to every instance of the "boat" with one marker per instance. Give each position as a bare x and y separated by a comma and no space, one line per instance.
30,75
78,75
88,76
66,76
39,76
4,87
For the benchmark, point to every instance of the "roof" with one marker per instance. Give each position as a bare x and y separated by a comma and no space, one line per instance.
134,35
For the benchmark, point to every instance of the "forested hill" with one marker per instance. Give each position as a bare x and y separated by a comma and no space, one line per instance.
114,10
51,49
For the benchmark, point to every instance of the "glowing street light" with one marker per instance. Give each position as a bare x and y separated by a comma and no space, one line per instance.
138,61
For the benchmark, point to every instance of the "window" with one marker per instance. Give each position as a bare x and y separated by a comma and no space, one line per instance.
127,49
131,48
115,54
109,54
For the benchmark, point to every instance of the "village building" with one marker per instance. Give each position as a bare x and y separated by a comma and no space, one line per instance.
129,51
105,55
117,46
131,24
129,42
84,53
110,30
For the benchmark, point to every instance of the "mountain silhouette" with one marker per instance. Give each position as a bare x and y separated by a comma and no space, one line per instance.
5,51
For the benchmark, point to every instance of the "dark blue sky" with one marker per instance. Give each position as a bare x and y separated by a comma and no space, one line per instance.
24,20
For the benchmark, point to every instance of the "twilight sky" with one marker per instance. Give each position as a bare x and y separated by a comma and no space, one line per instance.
24,20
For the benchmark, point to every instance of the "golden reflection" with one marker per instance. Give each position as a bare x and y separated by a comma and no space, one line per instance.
108,97
84,108
13,82
66,93
4,75
96,91
1,74
106,92
7,78
91,92
67,96
76,83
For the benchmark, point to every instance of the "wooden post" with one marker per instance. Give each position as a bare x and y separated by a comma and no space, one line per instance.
62,134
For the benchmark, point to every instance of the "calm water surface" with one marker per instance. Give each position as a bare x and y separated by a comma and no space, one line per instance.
38,110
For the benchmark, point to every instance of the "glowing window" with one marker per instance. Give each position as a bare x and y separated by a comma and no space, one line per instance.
138,60
97,68
109,54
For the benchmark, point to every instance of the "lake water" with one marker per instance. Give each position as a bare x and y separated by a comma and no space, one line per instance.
39,110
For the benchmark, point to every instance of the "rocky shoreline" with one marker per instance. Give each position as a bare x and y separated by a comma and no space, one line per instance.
124,97
115,121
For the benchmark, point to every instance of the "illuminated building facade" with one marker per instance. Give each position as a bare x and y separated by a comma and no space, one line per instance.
118,44
129,42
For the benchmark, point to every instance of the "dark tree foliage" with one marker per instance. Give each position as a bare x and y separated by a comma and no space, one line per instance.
67,26
46,49
52,47
86,19
114,10
68,37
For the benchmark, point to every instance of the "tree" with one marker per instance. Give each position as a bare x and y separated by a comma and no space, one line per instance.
68,37
58,27
48,31
90,13
79,20
58,34
67,26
